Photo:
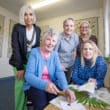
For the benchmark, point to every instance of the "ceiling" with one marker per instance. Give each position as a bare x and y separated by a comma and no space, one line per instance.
60,8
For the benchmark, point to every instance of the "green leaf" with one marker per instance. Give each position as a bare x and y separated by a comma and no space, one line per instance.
84,98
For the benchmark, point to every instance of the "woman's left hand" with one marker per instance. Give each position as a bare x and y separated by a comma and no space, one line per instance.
93,80
70,96
20,74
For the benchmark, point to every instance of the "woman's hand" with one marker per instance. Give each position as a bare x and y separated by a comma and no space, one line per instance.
70,96
64,69
93,80
20,74
51,88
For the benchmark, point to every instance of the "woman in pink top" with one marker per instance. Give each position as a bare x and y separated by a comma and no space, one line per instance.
44,75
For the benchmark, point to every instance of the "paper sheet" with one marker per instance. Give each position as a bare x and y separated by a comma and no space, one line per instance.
88,87
103,95
61,103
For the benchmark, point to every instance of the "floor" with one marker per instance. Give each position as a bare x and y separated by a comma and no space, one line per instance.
7,93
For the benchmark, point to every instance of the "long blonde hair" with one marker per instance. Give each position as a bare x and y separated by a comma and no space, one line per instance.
97,52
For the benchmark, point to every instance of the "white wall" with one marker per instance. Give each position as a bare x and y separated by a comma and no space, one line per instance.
106,25
57,23
5,68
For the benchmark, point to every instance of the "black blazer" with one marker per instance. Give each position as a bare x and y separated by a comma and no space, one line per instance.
19,45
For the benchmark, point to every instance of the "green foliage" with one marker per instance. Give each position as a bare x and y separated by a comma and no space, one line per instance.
83,97
107,58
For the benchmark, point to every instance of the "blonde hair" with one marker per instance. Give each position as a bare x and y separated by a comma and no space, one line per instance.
97,52
81,24
22,13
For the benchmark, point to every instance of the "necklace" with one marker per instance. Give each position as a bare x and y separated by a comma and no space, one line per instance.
29,42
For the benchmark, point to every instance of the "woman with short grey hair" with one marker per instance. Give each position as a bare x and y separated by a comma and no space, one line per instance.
44,75
52,32
25,36
66,47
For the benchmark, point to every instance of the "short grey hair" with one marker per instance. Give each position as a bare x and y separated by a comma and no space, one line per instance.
67,20
50,32
22,13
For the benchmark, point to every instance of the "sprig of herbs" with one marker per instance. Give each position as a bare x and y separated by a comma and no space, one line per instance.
83,97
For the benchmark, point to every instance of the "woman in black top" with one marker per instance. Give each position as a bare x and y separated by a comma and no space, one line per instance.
85,34
25,35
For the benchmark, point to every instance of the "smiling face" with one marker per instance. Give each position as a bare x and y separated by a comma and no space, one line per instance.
84,28
49,43
28,17
68,27
88,51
